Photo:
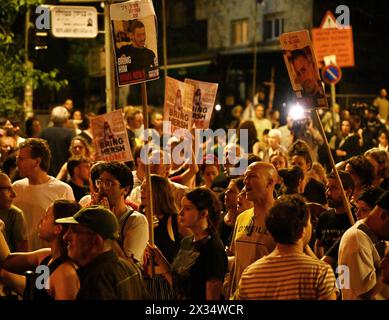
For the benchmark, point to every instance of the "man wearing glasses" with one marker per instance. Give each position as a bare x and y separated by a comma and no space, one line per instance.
37,190
114,184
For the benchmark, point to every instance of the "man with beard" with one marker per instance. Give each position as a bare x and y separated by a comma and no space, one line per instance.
333,222
114,184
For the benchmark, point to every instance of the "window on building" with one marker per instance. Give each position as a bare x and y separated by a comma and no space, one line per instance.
273,27
240,32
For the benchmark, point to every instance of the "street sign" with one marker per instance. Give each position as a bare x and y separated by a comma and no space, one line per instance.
331,74
73,22
333,39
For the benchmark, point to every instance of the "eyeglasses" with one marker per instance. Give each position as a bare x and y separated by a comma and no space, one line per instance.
106,183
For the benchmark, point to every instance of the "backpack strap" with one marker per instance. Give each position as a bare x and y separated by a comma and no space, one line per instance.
124,219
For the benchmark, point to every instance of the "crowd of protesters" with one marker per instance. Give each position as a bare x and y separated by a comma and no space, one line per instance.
272,224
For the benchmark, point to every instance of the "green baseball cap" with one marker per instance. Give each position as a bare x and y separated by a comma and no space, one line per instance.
97,218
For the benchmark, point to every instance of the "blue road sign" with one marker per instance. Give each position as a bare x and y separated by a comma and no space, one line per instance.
331,74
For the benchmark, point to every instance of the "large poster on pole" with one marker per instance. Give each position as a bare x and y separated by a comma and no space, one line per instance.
134,32
203,103
178,104
110,137
302,67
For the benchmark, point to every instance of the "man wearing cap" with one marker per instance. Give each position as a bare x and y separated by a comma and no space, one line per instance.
58,137
361,249
103,275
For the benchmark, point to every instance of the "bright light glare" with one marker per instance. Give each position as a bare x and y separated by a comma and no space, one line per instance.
296,112
218,107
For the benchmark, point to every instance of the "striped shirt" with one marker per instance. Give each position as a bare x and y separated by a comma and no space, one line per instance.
288,277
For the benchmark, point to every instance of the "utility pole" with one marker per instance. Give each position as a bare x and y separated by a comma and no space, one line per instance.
109,79
164,36
28,92
255,51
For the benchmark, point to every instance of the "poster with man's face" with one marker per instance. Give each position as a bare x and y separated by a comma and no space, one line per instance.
302,68
135,41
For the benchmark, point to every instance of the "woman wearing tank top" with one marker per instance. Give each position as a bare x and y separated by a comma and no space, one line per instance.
63,279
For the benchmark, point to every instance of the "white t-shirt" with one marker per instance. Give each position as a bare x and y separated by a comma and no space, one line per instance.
34,200
358,253
136,235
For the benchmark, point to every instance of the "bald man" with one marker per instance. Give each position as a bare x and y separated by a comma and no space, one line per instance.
251,240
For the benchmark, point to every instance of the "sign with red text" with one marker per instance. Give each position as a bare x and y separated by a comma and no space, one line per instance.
203,102
134,32
110,137
178,104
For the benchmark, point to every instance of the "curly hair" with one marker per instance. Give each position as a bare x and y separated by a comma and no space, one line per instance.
120,171
362,168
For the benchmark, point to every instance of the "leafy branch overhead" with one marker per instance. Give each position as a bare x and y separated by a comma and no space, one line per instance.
14,72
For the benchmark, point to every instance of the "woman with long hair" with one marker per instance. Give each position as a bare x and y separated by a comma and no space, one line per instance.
167,232
198,270
79,147
63,280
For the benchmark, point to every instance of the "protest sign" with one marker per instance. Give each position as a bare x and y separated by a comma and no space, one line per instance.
134,35
203,103
110,137
302,67
178,104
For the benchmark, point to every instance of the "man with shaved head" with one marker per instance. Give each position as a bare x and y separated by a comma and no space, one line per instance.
251,240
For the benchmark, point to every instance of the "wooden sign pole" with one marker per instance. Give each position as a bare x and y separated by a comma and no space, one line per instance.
346,202
149,207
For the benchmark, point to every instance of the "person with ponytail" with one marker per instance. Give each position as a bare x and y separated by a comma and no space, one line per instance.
198,270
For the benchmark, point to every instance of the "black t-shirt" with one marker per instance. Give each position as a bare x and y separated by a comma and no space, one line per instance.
195,264
78,191
58,139
168,247
331,227
225,231
141,58
315,192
